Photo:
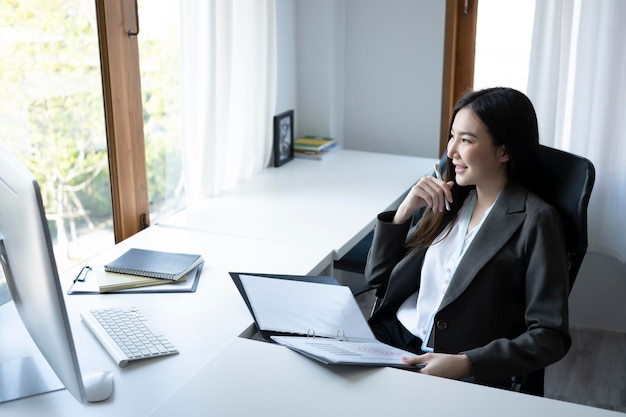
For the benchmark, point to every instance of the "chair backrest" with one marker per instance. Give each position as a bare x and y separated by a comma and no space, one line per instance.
568,181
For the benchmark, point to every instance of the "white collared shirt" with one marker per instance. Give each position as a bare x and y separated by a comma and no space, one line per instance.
440,262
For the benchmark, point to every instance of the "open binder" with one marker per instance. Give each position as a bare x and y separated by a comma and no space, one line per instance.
315,316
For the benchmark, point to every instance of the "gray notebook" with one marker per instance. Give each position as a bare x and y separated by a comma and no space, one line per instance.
154,264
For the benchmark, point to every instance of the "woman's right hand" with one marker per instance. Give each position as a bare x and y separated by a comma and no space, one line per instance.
429,191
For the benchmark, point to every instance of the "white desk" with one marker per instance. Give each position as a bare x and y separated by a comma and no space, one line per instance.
200,324
255,378
331,203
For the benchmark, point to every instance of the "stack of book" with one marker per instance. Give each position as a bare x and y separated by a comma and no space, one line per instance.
143,268
314,147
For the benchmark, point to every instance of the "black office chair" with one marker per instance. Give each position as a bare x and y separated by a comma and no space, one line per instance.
568,182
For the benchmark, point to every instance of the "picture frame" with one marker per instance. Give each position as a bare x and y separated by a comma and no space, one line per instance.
283,138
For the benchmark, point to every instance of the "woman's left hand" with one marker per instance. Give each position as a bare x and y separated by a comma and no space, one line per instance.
442,364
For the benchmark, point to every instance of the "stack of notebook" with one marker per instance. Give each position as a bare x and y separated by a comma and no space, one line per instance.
139,268
314,147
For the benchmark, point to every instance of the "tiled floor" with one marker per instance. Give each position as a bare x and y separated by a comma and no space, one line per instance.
593,372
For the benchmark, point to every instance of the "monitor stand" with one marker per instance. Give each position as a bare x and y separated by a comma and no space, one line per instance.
25,377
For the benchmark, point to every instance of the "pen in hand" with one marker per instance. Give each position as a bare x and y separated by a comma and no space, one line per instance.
439,176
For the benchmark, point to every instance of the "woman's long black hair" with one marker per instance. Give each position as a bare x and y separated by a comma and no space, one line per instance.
510,119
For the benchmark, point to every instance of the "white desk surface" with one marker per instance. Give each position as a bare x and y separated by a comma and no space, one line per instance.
331,203
256,378
199,324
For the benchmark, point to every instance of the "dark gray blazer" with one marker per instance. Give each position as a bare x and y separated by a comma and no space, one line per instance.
506,306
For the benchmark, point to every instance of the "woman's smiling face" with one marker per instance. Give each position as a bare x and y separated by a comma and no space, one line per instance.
476,160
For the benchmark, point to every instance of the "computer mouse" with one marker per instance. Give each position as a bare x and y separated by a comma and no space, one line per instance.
98,385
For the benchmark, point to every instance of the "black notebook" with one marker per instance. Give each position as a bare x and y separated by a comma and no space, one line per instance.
154,264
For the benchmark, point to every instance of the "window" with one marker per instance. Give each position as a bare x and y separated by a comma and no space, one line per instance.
52,116
503,39
76,109
159,51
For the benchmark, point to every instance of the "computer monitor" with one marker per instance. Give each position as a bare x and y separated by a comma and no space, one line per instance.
33,280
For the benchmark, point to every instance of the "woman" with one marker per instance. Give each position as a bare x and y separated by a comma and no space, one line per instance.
479,292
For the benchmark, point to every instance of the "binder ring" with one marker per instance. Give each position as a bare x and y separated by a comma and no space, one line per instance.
341,335
310,333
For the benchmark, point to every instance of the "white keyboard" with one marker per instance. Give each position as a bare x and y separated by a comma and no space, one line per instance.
127,334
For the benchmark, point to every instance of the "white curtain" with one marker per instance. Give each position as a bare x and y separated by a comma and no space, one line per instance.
577,81
229,92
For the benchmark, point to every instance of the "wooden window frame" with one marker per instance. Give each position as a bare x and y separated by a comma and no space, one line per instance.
458,60
121,83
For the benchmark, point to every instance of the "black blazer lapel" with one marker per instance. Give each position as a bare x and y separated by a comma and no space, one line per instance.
505,218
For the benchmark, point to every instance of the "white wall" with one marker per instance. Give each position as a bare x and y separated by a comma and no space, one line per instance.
369,73
394,67
286,95
320,62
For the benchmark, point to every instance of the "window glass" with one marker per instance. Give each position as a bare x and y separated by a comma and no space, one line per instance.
51,113
503,41
159,53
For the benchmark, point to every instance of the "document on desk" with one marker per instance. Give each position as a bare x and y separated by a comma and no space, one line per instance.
347,351
321,321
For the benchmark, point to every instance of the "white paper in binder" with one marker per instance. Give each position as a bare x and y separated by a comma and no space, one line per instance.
303,308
